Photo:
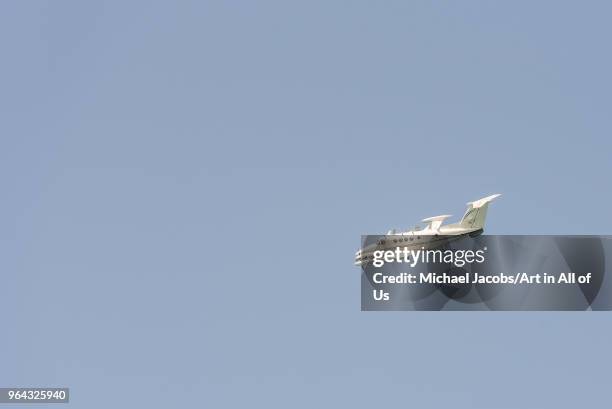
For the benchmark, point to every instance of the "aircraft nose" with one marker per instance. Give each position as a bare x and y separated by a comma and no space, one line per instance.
358,259
361,258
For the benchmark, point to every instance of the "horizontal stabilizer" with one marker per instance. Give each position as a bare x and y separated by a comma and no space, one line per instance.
484,200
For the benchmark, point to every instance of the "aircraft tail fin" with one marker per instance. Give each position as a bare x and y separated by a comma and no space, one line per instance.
476,212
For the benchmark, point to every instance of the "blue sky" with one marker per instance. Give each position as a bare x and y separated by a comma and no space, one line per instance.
185,185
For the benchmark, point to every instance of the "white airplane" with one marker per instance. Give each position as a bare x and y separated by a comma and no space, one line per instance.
434,233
